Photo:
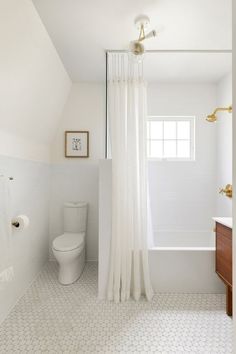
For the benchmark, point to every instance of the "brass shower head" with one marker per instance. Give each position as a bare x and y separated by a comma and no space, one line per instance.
212,117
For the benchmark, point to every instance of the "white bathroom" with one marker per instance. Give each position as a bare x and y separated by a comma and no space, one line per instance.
184,183
116,175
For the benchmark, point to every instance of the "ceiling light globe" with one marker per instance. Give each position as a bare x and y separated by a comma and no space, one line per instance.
137,48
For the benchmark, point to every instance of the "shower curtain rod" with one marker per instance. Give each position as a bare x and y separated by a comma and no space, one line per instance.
174,51
107,51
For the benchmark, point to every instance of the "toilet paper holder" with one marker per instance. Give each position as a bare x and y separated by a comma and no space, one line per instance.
15,224
20,222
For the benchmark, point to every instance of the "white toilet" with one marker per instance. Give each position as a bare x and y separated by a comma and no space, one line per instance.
69,248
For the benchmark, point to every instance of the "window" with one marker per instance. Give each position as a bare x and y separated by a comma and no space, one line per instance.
171,138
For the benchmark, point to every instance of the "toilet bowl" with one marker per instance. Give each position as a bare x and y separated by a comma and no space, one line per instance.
69,248
69,251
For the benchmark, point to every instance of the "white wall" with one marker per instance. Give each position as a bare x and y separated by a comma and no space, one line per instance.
74,178
183,194
234,172
30,192
33,82
33,89
224,144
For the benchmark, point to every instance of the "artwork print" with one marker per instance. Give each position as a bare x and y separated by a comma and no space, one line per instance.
76,144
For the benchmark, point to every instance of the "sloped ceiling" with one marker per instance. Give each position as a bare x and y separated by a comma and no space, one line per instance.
33,82
82,30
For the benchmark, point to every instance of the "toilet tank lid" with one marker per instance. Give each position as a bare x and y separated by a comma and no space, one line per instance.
75,204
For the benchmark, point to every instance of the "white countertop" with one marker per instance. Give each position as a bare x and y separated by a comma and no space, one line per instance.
224,221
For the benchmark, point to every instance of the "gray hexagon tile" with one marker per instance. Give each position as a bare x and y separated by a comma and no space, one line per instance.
51,318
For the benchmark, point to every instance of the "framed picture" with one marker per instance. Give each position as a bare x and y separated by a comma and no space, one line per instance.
76,144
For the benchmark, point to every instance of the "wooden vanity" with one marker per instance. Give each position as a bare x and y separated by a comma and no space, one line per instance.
224,257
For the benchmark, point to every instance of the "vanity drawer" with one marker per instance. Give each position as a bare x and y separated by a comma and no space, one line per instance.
224,253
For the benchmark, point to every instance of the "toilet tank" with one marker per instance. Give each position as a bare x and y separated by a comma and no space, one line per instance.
75,217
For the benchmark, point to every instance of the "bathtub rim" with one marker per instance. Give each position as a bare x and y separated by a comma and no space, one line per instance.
168,248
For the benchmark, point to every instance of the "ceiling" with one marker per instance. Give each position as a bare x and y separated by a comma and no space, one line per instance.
82,30
186,67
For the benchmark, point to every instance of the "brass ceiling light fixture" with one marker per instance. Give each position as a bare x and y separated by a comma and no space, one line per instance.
142,22
213,118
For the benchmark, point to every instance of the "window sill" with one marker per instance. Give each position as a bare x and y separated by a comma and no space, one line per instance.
171,160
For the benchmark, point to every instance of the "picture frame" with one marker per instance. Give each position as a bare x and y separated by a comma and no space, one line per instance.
76,143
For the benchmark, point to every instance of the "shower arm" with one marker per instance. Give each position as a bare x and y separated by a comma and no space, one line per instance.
223,109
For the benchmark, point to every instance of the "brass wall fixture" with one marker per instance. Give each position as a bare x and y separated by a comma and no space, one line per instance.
212,117
142,22
228,191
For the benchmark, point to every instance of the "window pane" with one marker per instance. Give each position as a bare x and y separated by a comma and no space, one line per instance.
170,137
156,129
156,149
183,130
183,149
148,130
169,130
169,149
148,148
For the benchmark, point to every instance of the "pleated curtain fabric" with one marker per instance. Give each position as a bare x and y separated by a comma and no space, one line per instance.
129,269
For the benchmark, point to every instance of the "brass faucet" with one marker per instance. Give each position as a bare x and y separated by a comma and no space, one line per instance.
228,190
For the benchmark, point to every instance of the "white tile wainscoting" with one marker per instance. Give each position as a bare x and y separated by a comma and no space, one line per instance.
29,195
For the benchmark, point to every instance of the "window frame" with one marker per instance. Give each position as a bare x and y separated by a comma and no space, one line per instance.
162,118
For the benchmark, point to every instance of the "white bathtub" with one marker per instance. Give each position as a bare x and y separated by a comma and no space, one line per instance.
180,262
184,262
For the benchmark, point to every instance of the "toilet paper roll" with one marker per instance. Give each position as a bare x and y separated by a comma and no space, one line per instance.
21,222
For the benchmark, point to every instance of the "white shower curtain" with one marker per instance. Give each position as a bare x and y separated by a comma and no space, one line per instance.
129,270
6,269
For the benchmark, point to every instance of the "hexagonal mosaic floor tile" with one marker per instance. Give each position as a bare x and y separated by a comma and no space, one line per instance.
51,318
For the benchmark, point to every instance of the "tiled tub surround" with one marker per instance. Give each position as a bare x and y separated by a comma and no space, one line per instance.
30,196
180,262
52,318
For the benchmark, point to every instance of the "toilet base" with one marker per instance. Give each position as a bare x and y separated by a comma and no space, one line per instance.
71,269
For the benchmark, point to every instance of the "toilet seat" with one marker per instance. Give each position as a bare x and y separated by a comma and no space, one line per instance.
68,242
